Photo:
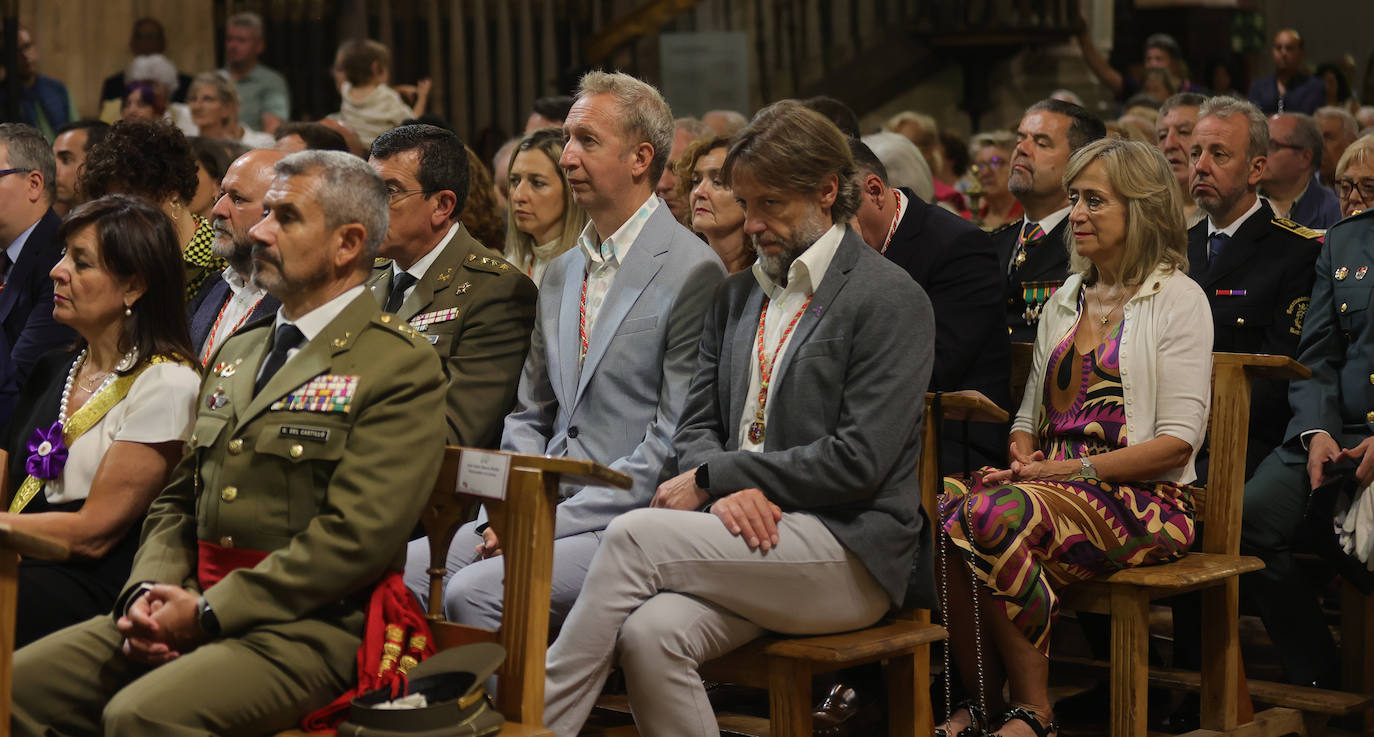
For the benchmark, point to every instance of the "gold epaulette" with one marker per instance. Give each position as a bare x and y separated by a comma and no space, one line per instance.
1004,226
488,263
1293,227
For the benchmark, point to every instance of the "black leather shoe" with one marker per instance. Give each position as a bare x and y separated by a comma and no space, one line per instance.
844,713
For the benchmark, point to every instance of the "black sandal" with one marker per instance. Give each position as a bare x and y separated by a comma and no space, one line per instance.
1030,719
977,725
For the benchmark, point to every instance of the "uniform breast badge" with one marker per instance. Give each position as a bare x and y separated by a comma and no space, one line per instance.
1360,272
1035,294
217,399
424,320
1341,271
324,393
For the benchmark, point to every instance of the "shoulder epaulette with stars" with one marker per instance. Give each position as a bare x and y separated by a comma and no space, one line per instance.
1295,228
398,326
487,263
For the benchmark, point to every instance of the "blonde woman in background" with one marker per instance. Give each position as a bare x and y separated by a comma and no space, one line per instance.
544,221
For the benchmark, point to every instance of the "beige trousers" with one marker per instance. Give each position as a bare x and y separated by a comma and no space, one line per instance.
669,590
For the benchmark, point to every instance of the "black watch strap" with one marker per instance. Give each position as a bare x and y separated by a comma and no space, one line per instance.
703,477
209,621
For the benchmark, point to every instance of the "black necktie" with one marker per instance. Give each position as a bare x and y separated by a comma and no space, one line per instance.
1215,243
288,336
5,264
403,281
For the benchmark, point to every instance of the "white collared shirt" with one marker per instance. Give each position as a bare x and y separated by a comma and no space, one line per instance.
311,323
244,297
605,257
421,267
1047,224
17,247
803,279
1231,229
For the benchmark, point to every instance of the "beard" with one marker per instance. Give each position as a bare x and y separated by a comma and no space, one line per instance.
803,235
235,249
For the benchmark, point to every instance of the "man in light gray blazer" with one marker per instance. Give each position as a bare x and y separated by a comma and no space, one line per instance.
800,439
613,351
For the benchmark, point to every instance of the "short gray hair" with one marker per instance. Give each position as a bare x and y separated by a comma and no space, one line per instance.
155,67
1307,135
644,115
224,88
28,149
350,192
1349,126
1224,106
1181,99
247,19
906,165
1005,140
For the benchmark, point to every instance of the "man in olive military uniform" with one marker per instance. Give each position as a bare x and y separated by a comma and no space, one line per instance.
1033,251
1333,421
312,456
473,307
1255,269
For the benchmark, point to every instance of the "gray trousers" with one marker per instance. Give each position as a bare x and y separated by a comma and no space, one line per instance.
473,588
669,590
77,682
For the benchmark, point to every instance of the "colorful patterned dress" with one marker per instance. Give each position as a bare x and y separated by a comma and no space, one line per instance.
1029,537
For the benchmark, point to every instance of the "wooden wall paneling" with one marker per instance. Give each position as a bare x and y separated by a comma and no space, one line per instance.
525,67
481,67
814,52
460,107
505,69
841,41
868,21
386,26
435,69
548,51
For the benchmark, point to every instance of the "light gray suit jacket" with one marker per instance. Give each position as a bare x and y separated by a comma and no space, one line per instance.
844,411
621,408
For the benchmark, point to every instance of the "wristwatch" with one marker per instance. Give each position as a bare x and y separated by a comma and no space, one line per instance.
703,477
209,622
1088,470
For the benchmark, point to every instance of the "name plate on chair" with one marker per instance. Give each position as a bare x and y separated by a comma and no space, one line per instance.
483,473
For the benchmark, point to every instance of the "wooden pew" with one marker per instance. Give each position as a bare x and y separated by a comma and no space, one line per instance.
524,522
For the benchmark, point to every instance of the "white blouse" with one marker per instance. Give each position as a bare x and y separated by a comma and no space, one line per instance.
160,407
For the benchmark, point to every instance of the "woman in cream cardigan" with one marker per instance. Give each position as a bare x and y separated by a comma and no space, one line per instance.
1102,448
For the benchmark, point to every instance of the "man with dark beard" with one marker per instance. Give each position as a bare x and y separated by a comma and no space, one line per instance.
229,299
808,398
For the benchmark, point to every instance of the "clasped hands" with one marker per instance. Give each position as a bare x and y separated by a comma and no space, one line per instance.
746,513
1322,449
160,625
1029,466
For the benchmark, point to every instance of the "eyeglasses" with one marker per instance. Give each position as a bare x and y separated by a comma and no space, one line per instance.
7,172
1348,187
396,195
992,164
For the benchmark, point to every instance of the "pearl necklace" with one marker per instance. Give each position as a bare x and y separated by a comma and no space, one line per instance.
71,378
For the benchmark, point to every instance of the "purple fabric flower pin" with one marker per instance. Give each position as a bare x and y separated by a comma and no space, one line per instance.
47,453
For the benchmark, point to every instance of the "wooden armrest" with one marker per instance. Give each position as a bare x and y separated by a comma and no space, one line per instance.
30,545
1263,366
569,469
969,405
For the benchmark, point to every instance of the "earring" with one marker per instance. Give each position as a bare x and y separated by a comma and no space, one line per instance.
128,311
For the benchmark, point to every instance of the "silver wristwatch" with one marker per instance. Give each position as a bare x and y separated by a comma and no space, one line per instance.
1088,470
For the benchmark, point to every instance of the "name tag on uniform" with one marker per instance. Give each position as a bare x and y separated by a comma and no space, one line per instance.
318,434
424,320
324,393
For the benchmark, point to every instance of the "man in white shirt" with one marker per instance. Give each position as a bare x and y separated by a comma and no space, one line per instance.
228,300
613,350
796,406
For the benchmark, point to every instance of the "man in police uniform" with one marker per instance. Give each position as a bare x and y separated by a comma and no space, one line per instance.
1333,421
313,453
1033,251
473,307
1255,268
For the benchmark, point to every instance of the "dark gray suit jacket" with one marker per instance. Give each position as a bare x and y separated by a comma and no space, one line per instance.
845,409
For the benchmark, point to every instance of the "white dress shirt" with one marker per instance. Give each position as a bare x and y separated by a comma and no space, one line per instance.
803,279
421,267
604,257
244,297
311,323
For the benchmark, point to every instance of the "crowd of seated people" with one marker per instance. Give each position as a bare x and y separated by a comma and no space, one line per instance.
235,345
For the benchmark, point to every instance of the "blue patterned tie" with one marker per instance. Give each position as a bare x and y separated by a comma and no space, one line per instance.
1215,243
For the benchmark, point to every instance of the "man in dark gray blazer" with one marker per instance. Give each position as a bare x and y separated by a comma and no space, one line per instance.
800,439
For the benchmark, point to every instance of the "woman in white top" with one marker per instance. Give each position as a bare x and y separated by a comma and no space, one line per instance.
100,427
1102,448
214,103
544,221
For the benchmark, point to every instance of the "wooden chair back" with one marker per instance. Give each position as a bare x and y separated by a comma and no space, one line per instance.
524,523
13,545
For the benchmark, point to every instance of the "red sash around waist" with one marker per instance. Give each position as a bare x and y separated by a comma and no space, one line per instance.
214,562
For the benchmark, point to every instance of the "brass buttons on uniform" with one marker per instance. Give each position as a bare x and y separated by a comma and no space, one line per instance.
1371,378
1240,321
235,446
386,318
226,542
229,493
1369,417
297,450
1343,307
